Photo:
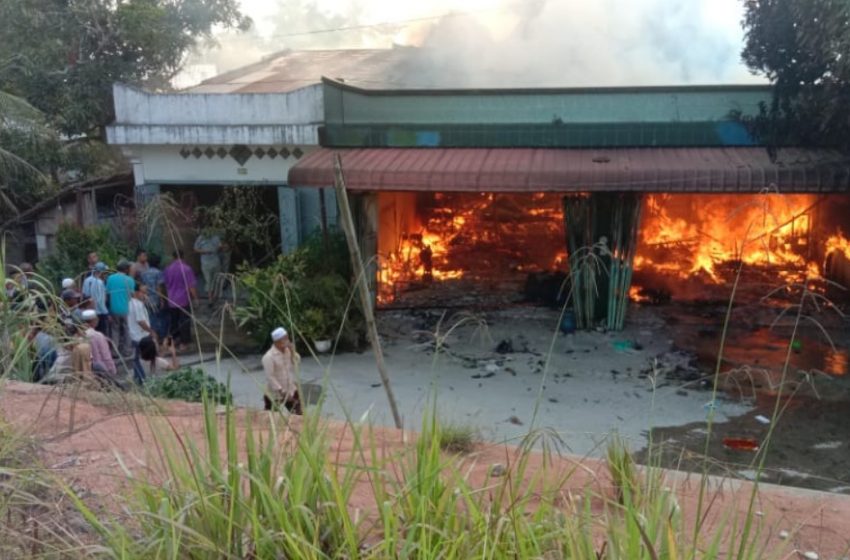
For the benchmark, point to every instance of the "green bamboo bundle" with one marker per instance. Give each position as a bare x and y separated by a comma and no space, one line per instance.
579,230
626,225
581,214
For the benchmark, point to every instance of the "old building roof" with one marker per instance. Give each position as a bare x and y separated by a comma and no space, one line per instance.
740,169
290,70
122,181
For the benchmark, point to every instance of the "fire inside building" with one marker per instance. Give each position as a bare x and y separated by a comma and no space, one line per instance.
604,196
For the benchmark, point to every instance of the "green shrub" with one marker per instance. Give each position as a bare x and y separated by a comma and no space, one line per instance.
325,299
273,296
73,244
189,385
327,255
305,294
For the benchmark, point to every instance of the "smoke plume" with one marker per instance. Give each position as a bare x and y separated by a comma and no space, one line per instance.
521,43
579,43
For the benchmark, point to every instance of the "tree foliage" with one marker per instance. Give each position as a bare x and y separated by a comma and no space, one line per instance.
34,158
242,219
803,48
58,62
21,128
64,55
73,244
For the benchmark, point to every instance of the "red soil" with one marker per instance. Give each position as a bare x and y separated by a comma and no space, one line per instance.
90,445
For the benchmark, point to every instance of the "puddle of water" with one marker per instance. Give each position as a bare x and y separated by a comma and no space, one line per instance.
766,348
807,448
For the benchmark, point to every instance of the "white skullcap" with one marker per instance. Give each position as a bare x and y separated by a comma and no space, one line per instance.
89,314
278,333
67,283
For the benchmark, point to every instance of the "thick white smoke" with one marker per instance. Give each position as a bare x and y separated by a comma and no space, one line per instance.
520,43
589,43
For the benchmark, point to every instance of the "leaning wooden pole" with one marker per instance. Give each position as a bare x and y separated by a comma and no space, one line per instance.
363,288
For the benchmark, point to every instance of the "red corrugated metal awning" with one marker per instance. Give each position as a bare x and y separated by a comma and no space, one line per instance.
573,170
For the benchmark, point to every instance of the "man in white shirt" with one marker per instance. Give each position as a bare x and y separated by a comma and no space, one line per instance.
280,363
139,327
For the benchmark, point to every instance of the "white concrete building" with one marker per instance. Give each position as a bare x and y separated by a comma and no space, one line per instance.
195,139
248,127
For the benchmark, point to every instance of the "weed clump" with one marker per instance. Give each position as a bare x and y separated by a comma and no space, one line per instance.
457,438
189,385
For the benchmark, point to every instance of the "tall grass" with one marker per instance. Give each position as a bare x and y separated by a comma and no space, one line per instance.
267,486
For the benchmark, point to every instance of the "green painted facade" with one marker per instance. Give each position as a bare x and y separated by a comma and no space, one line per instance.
569,118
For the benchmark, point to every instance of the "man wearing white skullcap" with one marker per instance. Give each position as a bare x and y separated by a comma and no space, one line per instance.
68,284
100,354
280,363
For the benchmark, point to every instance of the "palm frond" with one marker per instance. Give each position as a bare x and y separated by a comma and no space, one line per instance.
19,110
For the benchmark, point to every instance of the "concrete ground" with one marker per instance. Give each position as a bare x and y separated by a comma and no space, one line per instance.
495,377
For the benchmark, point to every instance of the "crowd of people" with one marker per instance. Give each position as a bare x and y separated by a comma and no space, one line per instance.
111,323
131,322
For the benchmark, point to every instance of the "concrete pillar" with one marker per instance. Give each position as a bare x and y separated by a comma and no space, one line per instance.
331,208
364,206
310,205
311,214
290,222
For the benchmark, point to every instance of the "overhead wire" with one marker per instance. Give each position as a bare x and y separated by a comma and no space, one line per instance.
360,27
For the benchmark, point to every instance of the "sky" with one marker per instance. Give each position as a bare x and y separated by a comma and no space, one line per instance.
524,42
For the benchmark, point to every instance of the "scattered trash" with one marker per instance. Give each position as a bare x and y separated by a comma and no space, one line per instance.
762,419
553,400
828,445
741,444
623,345
810,555
505,347
491,368
375,385
514,420
797,345
710,405
784,535
681,392
497,469
568,323
676,365
69,462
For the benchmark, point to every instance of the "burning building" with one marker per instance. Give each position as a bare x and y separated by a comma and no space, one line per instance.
482,197
631,194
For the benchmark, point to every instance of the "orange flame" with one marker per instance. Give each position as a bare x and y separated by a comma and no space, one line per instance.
440,237
685,235
838,243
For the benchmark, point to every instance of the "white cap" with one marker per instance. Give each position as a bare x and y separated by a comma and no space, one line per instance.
89,314
278,333
67,283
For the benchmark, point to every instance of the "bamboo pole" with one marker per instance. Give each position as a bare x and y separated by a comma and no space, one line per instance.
363,288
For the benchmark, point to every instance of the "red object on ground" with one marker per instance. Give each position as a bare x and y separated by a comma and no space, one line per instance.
741,444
